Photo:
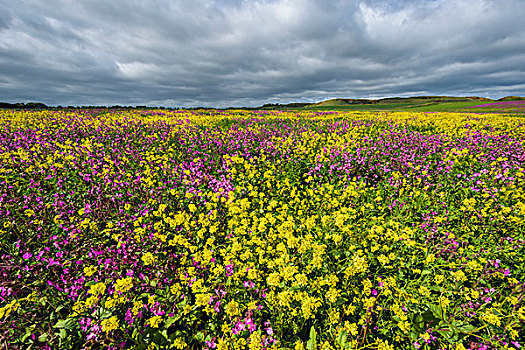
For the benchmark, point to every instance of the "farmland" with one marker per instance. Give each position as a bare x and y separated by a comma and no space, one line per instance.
307,229
507,105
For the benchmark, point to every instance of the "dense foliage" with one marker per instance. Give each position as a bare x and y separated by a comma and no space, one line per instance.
261,230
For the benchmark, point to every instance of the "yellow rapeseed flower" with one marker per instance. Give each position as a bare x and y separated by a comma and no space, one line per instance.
109,324
90,270
123,285
154,321
148,258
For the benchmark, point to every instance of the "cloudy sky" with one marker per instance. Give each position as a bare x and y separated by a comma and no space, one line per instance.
245,53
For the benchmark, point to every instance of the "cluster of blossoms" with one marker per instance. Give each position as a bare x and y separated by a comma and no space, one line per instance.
261,230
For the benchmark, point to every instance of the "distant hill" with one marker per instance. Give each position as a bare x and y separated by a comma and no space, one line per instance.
343,102
390,100
512,98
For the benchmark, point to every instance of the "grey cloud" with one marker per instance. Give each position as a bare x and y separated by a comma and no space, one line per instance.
228,52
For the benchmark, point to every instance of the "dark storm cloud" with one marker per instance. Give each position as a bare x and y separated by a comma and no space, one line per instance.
226,52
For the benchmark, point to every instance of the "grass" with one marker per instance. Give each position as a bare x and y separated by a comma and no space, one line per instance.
433,106
365,107
444,106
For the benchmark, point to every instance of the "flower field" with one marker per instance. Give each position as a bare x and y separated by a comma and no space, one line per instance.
261,230
503,106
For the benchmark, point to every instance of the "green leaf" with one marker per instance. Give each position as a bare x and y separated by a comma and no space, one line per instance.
419,321
68,323
27,334
341,301
429,316
171,320
63,334
414,334
450,335
463,327
312,342
436,288
436,310
341,340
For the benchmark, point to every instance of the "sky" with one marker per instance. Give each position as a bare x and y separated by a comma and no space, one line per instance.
220,53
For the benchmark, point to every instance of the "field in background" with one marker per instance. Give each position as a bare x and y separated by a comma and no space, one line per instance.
513,105
155,229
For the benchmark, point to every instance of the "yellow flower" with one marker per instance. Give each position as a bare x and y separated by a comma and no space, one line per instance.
222,345
178,343
137,305
302,279
98,288
148,258
460,346
154,321
127,206
299,345
332,295
255,341
459,276
424,291
351,328
92,300
274,279
110,303
430,259
79,307
384,345
175,289
202,299
232,309
90,270
109,324
444,301
491,318
474,294
404,326
123,285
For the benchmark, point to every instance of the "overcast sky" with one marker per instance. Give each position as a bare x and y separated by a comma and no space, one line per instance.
245,53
